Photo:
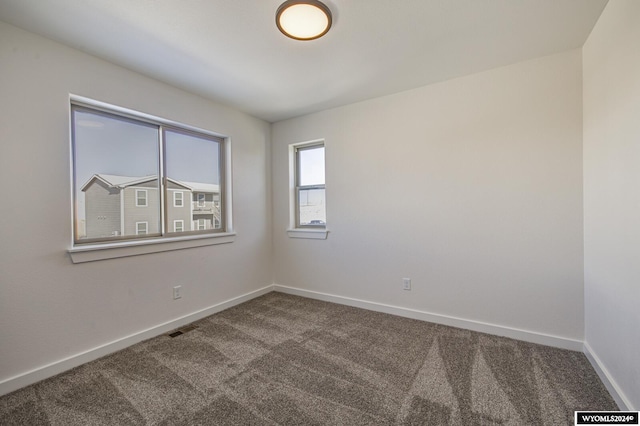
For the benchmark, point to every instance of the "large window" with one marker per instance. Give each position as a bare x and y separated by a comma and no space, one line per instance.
310,186
132,176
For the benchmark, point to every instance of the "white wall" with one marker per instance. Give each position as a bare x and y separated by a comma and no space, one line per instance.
51,309
471,187
612,196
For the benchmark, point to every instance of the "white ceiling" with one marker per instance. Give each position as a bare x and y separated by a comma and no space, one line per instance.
232,52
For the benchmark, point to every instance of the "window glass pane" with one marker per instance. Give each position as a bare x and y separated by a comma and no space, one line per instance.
311,207
114,157
311,166
193,165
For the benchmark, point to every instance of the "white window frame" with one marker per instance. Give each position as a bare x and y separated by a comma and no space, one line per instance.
175,227
201,224
201,198
146,195
88,252
176,199
146,228
316,232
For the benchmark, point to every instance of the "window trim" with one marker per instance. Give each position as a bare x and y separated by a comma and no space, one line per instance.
200,203
146,228
175,222
146,198
175,199
296,230
94,252
111,249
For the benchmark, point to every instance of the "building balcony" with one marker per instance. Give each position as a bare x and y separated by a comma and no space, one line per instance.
203,210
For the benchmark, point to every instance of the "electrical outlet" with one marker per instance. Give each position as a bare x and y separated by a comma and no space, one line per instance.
406,283
177,292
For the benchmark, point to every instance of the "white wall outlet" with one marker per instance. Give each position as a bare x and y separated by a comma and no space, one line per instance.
177,292
406,283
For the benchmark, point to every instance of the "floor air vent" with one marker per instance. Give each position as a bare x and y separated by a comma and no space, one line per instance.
182,331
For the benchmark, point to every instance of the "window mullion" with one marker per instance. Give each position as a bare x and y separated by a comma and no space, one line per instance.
307,187
162,182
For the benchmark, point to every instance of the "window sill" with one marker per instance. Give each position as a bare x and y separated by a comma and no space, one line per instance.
93,252
313,234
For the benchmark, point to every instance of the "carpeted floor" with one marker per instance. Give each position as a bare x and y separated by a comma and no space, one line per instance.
286,360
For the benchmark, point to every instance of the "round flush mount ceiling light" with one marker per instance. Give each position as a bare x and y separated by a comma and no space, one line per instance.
303,19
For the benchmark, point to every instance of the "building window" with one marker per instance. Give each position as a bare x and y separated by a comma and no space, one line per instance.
309,186
201,224
142,228
201,200
178,199
141,198
123,160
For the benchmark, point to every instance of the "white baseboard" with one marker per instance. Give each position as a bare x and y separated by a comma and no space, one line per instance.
514,333
14,383
616,393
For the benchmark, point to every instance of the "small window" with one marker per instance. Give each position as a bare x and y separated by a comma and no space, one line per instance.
141,198
178,226
178,199
142,228
310,186
201,224
201,200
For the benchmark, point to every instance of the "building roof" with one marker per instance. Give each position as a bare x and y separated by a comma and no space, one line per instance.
199,186
121,182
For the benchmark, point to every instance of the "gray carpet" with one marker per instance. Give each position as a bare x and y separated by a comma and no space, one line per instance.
286,360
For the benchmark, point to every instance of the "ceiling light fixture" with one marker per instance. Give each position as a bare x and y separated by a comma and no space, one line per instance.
303,19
